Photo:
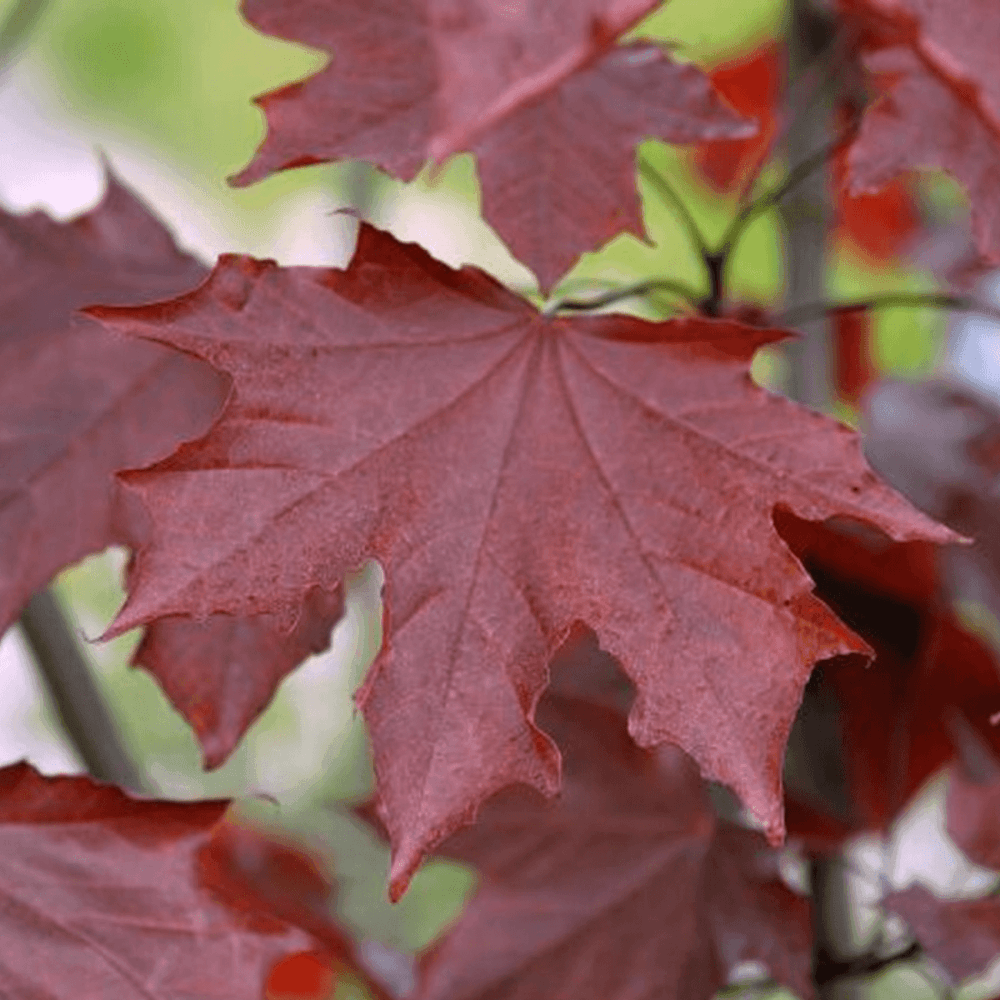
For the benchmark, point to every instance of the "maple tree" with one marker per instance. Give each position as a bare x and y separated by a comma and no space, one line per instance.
612,560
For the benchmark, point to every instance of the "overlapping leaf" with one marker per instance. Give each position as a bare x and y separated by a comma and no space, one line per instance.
537,90
626,886
937,443
221,673
963,935
934,66
104,896
78,403
514,473
753,84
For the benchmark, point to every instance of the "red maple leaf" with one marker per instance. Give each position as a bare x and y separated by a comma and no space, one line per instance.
625,886
514,473
77,403
521,86
895,711
104,897
933,63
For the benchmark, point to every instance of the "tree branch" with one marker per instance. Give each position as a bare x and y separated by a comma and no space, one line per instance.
77,699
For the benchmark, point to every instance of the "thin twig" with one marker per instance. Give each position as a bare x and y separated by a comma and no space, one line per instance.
668,194
678,288
77,699
891,300
795,176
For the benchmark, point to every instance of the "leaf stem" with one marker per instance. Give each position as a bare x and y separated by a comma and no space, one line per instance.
77,698
668,194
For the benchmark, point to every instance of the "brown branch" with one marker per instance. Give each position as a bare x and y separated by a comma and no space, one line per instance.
78,701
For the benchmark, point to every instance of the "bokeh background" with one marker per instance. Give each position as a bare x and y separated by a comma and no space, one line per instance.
161,93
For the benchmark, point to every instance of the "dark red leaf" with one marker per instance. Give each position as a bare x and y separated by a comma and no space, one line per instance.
625,886
933,63
896,711
102,898
514,473
522,87
853,366
266,878
78,403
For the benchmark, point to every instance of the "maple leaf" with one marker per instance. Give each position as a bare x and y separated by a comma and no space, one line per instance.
963,935
103,898
853,365
514,473
939,444
521,87
267,873
895,711
79,403
934,64
625,886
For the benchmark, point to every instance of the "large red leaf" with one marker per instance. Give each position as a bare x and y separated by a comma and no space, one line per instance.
514,473
626,886
77,403
522,86
934,62
107,896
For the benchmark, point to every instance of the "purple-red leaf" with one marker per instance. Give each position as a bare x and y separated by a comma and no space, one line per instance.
934,66
514,473
962,934
522,86
625,886
103,896
78,403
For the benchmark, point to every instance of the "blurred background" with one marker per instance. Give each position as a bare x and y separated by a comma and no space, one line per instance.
162,93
